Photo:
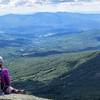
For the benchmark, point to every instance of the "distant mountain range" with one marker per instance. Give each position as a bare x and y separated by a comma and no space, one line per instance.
49,22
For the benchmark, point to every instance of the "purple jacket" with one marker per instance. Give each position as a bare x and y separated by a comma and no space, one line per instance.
5,77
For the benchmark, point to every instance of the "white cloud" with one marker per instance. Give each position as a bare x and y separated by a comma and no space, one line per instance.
31,6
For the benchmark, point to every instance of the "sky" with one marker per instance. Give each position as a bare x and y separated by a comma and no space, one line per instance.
33,6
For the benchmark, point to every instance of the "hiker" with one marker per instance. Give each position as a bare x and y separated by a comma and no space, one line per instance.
5,80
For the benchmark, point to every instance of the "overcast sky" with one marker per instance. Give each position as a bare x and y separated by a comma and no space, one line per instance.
32,6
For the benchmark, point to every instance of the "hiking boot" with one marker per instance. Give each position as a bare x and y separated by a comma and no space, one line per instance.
19,91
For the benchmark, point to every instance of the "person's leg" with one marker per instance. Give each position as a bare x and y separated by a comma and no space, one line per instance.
10,89
7,90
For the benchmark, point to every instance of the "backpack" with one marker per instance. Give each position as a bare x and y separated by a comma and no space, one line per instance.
1,80
0,75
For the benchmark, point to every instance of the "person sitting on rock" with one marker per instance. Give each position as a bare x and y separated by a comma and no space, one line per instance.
5,80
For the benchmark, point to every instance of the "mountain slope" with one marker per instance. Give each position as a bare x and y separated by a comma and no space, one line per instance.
82,83
59,77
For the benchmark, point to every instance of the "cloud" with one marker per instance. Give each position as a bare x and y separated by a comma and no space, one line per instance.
32,6
4,2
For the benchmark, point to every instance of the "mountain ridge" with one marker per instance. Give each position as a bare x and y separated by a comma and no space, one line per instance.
56,21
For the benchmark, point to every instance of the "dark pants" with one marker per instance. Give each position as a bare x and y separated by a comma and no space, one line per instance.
4,87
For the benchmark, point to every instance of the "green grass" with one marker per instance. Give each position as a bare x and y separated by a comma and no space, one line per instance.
28,66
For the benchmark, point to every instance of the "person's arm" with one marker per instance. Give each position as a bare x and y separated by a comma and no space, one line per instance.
6,77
